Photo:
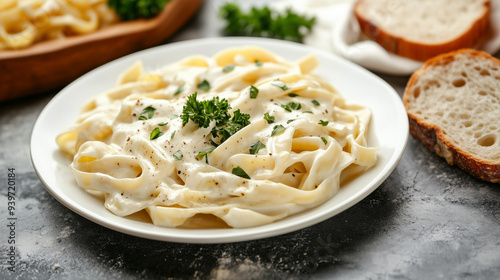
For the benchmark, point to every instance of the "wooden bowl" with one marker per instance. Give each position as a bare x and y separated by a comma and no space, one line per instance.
50,65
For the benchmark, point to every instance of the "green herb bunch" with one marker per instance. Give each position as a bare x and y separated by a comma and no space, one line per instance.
263,22
136,9
204,112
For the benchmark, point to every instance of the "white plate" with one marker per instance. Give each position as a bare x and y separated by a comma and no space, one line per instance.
388,131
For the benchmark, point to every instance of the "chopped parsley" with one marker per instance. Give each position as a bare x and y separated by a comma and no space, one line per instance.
324,140
279,84
162,123
323,123
178,155
277,129
255,147
204,85
291,106
155,133
254,92
258,63
238,171
307,112
172,135
200,155
315,102
228,68
147,113
289,121
204,112
293,94
231,126
179,90
270,119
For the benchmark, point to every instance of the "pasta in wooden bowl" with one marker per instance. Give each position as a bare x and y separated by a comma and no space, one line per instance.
26,22
45,44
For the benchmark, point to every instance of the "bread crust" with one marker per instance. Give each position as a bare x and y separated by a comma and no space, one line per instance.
417,50
436,140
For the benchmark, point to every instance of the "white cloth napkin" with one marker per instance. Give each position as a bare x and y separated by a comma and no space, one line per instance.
337,31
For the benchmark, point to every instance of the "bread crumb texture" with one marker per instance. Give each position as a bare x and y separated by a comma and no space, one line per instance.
459,95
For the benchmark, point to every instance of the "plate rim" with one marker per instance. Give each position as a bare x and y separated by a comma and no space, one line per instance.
219,235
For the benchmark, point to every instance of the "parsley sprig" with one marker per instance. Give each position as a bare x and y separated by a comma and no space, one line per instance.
264,22
135,9
204,112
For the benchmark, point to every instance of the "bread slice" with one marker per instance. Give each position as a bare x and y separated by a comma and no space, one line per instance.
453,105
423,29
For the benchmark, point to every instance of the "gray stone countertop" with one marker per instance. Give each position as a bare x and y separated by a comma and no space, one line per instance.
428,220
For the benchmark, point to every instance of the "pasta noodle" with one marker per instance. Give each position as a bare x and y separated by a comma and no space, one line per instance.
302,139
24,22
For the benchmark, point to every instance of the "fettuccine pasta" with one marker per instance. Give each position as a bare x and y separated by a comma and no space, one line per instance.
302,138
25,22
